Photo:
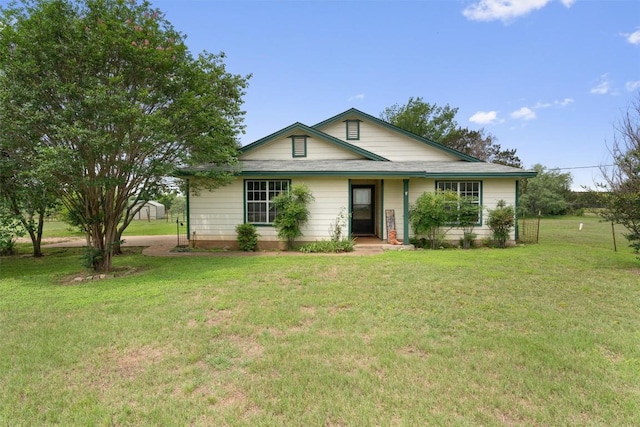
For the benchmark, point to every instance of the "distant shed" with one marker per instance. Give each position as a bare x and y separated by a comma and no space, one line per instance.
151,210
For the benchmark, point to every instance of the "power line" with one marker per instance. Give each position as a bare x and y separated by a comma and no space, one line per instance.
580,167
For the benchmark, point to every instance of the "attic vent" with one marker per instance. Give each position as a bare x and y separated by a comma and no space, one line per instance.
299,145
353,129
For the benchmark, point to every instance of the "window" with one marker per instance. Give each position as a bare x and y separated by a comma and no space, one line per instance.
299,145
353,129
258,195
469,190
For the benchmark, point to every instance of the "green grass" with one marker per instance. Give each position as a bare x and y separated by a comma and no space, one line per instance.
542,334
136,228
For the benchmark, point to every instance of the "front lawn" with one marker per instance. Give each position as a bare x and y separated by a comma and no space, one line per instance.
542,334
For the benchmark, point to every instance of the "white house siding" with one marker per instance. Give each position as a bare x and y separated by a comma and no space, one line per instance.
214,215
388,144
317,149
493,190
331,196
394,199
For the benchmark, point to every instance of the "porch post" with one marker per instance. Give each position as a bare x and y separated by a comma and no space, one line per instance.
405,231
517,231
349,209
188,213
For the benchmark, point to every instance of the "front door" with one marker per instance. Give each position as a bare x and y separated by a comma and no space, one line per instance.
363,210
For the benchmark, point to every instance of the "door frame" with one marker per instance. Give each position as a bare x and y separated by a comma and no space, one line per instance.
372,230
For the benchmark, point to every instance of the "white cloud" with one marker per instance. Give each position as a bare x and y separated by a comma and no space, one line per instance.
505,10
358,97
556,103
484,117
524,113
633,38
603,86
564,102
632,85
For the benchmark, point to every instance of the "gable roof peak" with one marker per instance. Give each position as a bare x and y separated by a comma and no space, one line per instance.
368,117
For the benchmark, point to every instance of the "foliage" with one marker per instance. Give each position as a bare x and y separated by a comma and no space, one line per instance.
336,229
105,96
328,246
430,213
438,124
28,192
547,194
501,221
292,212
622,181
467,218
10,228
422,118
247,237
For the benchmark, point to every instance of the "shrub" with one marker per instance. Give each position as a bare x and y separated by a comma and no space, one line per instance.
328,246
247,237
336,229
292,212
430,213
501,220
10,229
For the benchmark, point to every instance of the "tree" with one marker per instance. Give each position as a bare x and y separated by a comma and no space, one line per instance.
292,212
422,118
547,193
106,98
27,193
438,124
622,180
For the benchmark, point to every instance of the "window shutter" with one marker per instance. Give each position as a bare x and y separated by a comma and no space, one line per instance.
353,129
299,146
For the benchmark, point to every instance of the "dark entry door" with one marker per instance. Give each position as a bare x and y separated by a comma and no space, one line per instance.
363,210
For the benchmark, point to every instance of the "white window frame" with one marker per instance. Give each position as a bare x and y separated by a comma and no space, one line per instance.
455,186
258,194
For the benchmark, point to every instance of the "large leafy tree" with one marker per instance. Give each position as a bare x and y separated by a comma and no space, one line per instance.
438,124
622,180
548,193
106,98
26,192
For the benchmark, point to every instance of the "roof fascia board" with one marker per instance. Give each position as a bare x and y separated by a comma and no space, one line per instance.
394,128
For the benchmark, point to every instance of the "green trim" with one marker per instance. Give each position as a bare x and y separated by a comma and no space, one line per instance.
382,217
357,124
405,214
354,112
293,146
299,127
349,200
517,231
188,212
376,174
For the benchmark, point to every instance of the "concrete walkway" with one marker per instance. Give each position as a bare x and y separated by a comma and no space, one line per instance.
164,245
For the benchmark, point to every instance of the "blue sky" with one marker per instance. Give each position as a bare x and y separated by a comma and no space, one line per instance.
547,77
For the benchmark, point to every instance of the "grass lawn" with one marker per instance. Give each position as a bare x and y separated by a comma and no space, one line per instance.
157,227
545,334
